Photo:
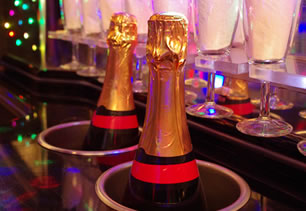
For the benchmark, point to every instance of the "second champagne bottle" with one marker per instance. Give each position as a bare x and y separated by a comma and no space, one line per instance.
114,124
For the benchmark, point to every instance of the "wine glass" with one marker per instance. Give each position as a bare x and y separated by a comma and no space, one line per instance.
73,24
142,10
138,82
267,40
178,6
92,32
215,22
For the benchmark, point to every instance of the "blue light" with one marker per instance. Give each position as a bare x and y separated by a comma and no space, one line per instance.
219,79
20,22
137,65
5,171
302,28
10,95
73,170
211,111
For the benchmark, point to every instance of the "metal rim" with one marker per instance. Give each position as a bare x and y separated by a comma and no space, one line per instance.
43,143
240,202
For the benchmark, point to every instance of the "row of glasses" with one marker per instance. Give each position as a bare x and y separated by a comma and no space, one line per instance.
92,31
82,22
268,29
73,24
267,43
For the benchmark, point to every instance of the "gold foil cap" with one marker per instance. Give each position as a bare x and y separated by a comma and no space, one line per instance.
122,29
167,41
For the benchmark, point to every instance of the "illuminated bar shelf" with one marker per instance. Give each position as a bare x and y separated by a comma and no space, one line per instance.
64,35
290,74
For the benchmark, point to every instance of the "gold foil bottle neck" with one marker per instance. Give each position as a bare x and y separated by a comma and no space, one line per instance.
167,41
117,94
165,132
122,30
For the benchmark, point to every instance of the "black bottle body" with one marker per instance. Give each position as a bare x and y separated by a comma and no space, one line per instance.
144,195
112,130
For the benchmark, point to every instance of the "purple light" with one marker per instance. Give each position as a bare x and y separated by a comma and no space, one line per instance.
12,12
14,124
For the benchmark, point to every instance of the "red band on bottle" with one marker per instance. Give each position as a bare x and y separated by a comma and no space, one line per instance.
241,109
115,122
165,174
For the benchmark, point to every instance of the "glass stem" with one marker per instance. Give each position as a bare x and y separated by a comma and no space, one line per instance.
75,51
210,96
265,100
93,57
138,74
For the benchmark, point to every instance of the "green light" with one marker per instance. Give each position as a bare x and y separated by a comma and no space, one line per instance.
43,162
42,21
19,138
25,6
26,35
18,42
17,3
33,136
30,20
27,143
33,0
7,25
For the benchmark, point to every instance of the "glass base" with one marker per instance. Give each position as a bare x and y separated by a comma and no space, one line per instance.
139,87
190,97
302,114
278,104
209,110
264,127
91,72
196,83
302,147
275,103
72,66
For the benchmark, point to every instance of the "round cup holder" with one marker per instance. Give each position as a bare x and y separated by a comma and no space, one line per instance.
68,138
224,189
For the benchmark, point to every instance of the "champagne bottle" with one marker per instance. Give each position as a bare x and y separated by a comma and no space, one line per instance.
164,173
114,123
235,95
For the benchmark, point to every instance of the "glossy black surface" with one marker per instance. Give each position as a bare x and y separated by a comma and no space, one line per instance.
32,178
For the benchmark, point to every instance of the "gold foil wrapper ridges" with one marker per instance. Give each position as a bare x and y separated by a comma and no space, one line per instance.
117,94
122,29
165,132
167,41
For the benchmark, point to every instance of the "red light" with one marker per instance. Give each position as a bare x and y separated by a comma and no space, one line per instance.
21,97
11,34
45,182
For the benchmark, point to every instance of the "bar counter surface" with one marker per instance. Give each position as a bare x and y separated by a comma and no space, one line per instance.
33,178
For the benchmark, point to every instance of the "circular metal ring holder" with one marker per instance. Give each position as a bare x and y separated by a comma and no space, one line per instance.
68,138
224,189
